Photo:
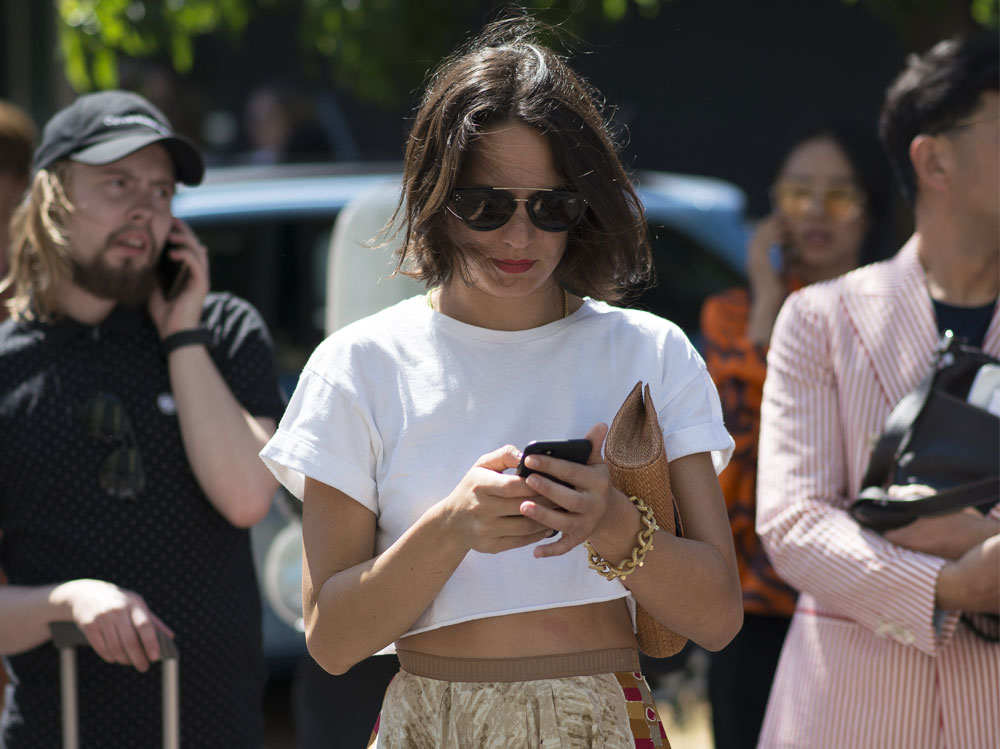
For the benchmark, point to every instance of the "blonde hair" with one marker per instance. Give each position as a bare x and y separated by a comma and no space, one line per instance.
39,251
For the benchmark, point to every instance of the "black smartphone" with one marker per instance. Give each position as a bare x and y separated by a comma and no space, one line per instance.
173,273
577,451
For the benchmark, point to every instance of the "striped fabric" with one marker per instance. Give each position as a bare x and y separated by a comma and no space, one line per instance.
862,665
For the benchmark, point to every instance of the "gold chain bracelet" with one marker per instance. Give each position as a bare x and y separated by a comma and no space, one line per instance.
644,542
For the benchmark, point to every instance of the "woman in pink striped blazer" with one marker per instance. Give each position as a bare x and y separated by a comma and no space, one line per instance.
876,656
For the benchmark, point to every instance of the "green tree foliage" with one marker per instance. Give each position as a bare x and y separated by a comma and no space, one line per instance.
920,23
93,33
377,49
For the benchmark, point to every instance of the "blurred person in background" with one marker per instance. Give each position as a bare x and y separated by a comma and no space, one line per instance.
877,654
280,126
17,142
133,403
267,119
829,200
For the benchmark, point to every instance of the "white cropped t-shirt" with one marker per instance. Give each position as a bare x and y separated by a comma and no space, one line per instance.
394,409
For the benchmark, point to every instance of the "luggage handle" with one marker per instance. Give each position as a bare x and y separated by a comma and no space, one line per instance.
66,636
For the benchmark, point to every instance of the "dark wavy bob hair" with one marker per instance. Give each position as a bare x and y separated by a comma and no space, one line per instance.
505,75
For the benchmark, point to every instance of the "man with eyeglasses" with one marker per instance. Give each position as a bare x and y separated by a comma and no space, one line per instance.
133,404
877,654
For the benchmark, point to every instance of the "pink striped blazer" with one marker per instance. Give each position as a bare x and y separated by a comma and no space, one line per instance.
863,665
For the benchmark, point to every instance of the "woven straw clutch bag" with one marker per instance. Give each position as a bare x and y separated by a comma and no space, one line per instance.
637,461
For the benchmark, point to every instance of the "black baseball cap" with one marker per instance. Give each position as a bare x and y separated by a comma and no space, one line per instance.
106,126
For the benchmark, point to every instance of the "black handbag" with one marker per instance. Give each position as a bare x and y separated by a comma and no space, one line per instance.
934,436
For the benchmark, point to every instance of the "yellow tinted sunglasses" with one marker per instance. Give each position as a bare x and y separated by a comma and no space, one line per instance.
795,198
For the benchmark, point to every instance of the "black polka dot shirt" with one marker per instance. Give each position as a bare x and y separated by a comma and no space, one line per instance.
62,519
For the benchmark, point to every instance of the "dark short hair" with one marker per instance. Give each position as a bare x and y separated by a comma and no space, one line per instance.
505,74
17,140
934,92
860,144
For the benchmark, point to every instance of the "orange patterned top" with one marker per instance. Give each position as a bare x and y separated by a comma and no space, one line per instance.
738,366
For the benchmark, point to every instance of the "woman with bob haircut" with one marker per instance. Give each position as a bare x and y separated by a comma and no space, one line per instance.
405,430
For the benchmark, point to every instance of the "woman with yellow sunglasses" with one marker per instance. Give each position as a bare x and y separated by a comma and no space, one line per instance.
828,216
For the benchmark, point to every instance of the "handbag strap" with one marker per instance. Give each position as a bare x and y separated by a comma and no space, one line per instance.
874,509
969,494
899,424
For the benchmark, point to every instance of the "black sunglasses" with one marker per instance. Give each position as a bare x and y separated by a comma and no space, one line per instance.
489,208
103,418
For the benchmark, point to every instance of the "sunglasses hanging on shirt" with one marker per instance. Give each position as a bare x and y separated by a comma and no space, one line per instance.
489,208
120,474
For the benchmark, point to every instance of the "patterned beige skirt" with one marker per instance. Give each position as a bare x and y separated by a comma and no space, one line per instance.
444,703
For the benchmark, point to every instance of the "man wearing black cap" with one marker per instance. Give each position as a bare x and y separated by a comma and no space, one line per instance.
132,411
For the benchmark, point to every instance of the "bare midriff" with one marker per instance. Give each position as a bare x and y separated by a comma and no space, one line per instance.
568,629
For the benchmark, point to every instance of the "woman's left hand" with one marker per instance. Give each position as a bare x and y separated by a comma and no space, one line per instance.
580,512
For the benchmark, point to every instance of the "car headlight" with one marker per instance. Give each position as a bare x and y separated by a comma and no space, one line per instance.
283,575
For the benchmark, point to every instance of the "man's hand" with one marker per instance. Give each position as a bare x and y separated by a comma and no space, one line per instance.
946,536
972,584
116,622
183,312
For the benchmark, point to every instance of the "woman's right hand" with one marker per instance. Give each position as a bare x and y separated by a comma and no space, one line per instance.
485,506
767,288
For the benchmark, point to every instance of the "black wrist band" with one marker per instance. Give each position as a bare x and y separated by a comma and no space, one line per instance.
192,337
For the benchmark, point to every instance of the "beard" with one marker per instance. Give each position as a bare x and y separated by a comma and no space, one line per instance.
127,284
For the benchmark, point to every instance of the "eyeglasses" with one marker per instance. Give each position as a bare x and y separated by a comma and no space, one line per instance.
120,474
796,198
970,121
489,208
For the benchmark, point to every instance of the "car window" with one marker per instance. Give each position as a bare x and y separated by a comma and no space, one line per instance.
278,265
686,273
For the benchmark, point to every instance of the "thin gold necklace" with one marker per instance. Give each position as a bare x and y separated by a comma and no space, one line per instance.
565,309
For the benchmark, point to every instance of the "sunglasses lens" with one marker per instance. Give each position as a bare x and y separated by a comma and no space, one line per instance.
797,200
483,209
121,474
793,200
842,205
486,209
103,417
558,210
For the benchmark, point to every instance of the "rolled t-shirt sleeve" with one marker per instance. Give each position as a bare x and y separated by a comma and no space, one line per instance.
690,412
326,436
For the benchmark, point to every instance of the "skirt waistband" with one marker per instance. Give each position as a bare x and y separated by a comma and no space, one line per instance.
589,663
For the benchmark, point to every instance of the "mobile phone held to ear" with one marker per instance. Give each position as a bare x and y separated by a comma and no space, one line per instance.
577,451
173,273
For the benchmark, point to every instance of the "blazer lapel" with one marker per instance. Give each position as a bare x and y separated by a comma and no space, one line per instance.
991,343
892,315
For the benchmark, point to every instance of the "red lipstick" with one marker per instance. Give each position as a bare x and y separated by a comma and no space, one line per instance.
514,266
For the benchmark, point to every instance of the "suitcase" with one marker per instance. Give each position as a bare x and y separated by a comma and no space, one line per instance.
66,636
